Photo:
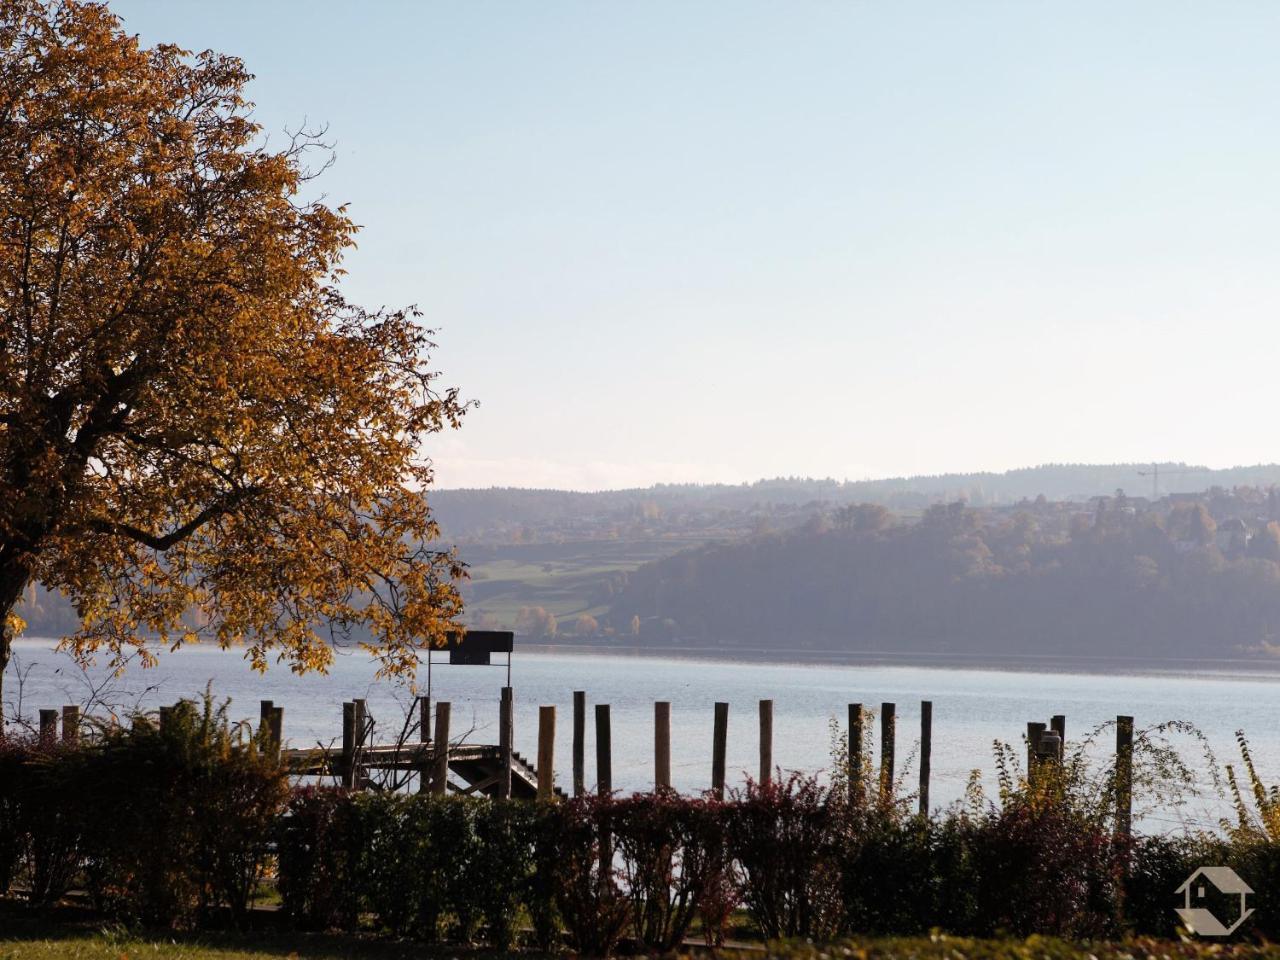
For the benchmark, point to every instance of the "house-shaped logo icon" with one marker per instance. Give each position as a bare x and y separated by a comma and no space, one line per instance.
1197,917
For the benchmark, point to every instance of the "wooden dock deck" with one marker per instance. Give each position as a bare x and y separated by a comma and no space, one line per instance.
477,766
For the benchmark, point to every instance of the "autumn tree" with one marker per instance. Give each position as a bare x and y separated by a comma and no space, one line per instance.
585,625
199,437
536,622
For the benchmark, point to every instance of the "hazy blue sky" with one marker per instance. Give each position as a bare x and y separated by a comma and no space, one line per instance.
720,241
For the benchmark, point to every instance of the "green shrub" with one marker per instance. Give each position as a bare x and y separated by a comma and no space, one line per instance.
502,869
321,844
176,819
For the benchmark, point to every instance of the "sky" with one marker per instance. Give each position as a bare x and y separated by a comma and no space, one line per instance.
720,241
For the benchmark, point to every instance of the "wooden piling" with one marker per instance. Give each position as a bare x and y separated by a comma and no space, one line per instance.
362,723
546,752
888,728
662,745
506,731
275,723
48,727
440,750
719,744
1058,724
424,738
1034,732
926,747
70,724
264,717
348,762
766,741
270,724
1124,775
579,742
604,751
855,753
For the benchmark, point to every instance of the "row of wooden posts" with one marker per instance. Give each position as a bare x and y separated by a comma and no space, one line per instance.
1045,743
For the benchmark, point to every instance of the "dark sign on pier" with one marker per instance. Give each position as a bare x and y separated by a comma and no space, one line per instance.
475,647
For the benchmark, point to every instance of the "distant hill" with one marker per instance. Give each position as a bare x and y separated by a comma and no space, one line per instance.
574,555
507,515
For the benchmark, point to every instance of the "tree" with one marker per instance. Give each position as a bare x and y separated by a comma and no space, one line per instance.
199,437
585,625
536,622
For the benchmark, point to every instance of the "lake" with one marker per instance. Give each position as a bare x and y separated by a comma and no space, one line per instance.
971,707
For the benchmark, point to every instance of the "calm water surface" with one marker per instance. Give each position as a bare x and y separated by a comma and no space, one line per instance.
972,708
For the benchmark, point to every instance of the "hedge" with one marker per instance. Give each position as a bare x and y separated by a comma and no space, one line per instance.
177,826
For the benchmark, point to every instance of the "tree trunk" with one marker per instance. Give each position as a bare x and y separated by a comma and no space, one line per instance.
13,580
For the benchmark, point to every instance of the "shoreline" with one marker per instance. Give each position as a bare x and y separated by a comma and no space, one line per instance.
1256,668
1241,668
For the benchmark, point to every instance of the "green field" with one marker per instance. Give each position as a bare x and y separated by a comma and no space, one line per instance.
564,578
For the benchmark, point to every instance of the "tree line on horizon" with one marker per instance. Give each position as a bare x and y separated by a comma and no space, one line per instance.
505,515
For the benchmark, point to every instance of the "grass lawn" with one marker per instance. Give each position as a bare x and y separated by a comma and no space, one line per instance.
33,939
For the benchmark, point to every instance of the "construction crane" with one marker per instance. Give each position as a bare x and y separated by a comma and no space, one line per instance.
1154,474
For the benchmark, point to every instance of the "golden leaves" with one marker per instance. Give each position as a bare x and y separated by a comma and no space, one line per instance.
200,438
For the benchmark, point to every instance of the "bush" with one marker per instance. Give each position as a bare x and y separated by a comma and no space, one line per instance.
503,868
176,819
577,852
321,845
672,853
906,875
781,835
1046,869
43,805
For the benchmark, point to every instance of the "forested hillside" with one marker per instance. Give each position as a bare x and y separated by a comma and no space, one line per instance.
1113,577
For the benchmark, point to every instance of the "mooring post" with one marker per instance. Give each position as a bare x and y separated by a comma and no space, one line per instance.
604,751
1034,732
506,730
165,714
888,730
276,726
362,724
926,746
348,762
440,753
719,743
662,745
766,741
48,727
546,752
70,724
424,739
264,717
579,742
1124,775
1058,724
855,753
604,784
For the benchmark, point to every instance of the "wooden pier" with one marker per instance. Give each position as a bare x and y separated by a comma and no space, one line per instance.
477,766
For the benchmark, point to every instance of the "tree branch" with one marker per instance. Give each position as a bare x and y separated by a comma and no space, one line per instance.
162,542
